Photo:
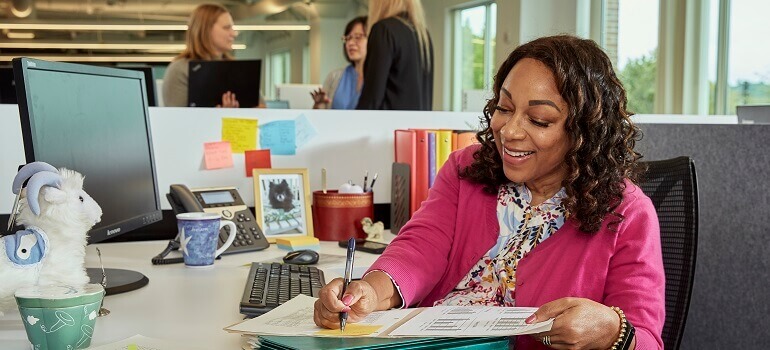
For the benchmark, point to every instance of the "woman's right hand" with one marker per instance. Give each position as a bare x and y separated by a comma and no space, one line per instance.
360,300
320,100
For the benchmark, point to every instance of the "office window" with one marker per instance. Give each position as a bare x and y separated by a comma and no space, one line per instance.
630,38
739,69
278,71
473,56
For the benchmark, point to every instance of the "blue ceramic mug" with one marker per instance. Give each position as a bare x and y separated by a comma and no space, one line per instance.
198,236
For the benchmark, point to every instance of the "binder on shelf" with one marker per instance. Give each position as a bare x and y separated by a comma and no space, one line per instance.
420,169
432,158
443,146
405,142
465,138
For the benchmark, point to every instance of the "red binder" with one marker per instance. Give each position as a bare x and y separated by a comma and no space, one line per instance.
412,148
422,169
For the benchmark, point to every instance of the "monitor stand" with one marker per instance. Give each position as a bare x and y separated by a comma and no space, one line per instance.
118,280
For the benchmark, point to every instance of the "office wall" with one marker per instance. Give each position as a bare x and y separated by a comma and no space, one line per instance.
729,308
348,143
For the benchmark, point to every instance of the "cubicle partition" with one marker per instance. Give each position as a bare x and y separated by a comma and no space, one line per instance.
729,306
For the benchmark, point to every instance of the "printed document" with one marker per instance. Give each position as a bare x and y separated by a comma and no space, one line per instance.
295,318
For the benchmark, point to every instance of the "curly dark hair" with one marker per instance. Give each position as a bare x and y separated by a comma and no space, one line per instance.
600,130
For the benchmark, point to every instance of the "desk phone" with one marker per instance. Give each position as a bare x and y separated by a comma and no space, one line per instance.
227,202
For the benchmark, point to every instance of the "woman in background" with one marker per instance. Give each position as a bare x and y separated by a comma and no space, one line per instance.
210,37
399,67
342,87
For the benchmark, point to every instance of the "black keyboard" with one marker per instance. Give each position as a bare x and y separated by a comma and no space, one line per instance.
270,285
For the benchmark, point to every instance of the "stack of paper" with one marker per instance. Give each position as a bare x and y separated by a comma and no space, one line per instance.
298,243
295,318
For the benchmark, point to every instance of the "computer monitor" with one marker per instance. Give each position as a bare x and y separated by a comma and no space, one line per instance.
94,120
209,80
756,114
149,80
7,86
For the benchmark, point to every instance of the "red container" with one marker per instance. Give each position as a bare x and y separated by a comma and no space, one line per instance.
337,216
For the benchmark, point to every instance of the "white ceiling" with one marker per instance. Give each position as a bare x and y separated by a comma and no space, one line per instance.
145,12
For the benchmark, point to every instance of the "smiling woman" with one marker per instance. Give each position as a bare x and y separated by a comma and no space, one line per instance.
210,36
543,213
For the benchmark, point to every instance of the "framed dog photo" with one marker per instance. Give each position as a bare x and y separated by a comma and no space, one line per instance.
282,202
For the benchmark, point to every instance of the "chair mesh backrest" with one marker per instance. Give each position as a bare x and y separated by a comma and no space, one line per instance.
672,186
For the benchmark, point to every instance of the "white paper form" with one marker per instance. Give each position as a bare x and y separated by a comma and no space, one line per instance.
471,321
295,318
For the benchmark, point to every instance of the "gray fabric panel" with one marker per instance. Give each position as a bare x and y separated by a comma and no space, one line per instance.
729,308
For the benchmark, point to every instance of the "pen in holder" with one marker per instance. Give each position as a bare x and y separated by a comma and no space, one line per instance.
337,216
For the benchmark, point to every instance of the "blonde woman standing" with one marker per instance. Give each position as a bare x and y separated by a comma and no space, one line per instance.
210,36
398,73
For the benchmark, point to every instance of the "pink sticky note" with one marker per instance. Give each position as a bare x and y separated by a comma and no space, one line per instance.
257,159
217,155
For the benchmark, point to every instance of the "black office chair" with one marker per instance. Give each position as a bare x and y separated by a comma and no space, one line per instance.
672,186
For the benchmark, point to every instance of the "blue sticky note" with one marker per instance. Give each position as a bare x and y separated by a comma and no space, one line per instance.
278,136
304,130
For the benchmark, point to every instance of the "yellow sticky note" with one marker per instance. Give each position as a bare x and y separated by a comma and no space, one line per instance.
351,329
132,347
217,155
242,133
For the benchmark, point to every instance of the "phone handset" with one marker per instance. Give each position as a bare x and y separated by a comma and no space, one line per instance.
182,200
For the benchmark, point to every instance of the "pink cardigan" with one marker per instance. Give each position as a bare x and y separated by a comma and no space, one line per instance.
458,224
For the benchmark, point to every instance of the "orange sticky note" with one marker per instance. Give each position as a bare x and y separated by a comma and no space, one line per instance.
217,155
257,159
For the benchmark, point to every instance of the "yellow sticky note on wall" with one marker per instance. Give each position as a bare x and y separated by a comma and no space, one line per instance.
241,133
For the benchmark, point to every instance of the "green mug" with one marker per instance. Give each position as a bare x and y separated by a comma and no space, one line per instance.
59,317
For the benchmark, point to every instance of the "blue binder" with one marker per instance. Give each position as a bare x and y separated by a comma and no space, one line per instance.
324,343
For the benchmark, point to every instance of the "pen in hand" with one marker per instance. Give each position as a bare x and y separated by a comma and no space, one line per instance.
347,278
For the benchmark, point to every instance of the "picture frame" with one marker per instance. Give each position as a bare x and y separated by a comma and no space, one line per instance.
282,202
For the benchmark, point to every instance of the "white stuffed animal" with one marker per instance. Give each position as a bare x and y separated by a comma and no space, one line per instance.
57,215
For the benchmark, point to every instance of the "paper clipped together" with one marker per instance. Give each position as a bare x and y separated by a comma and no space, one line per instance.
295,318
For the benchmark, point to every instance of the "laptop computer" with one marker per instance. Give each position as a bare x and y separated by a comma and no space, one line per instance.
209,80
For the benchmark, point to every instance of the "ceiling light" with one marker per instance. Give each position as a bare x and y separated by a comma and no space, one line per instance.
106,58
141,27
99,46
255,27
18,35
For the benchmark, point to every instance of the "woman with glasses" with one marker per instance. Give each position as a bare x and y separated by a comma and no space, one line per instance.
342,87
399,70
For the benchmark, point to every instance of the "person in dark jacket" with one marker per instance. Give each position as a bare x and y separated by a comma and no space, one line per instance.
398,72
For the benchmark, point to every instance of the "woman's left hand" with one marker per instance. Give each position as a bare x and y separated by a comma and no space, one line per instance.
229,100
578,324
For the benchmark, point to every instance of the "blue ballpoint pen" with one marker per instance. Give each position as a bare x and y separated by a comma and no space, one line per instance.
348,277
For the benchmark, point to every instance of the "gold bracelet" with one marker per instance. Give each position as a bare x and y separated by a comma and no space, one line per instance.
616,345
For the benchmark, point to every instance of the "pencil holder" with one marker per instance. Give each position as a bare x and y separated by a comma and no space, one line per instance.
337,216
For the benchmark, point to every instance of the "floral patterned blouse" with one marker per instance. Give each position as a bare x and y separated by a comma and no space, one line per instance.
492,281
